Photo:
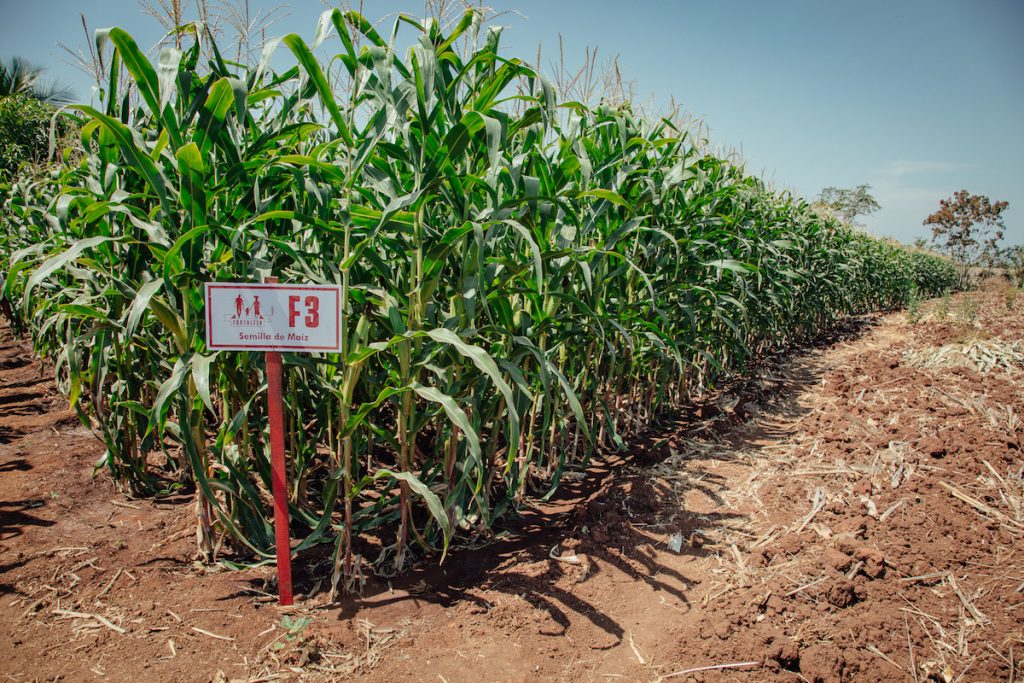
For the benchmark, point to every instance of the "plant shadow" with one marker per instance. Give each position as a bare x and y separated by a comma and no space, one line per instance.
606,514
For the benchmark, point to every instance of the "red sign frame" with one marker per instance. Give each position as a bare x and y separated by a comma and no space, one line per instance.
256,287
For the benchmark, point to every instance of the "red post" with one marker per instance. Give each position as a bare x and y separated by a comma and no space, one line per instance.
278,475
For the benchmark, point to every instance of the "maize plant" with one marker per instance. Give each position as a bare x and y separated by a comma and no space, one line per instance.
525,282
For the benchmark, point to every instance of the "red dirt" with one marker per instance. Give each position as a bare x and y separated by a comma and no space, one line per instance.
910,568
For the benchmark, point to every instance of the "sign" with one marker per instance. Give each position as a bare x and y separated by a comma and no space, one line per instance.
272,317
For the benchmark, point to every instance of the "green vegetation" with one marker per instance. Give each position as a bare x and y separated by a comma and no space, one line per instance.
847,204
914,312
25,134
1013,262
943,311
26,113
969,311
525,281
21,79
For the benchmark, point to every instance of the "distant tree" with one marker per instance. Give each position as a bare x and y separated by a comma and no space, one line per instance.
27,106
847,204
24,133
920,243
18,77
968,227
1012,259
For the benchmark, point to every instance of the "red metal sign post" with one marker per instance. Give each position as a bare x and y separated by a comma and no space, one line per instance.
269,317
279,475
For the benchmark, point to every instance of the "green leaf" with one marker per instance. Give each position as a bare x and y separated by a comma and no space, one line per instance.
428,496
138,160
316,76
455,414
140,305
55,263
729,264
167,390
607,195
201,377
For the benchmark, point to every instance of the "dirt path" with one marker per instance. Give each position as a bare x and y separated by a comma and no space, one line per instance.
849,514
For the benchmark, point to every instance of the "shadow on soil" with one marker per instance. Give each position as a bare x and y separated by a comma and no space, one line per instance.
603,513
14,517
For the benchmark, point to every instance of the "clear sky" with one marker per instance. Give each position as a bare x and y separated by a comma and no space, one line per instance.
919,98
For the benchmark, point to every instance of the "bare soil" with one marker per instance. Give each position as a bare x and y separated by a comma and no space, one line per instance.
852,513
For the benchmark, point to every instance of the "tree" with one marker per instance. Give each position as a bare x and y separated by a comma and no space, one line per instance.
25,134
18,77
848,204
968,227
26,112
1013,261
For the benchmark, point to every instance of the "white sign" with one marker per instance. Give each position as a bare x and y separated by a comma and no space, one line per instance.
272,317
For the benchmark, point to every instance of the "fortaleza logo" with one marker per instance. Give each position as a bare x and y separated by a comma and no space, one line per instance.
249,313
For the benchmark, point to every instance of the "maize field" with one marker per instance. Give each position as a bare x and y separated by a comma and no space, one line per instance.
526,282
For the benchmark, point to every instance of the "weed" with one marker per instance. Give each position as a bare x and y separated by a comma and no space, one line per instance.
293,628
968,313
943,311
914,306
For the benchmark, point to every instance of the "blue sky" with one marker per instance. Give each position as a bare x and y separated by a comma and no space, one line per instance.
919,98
